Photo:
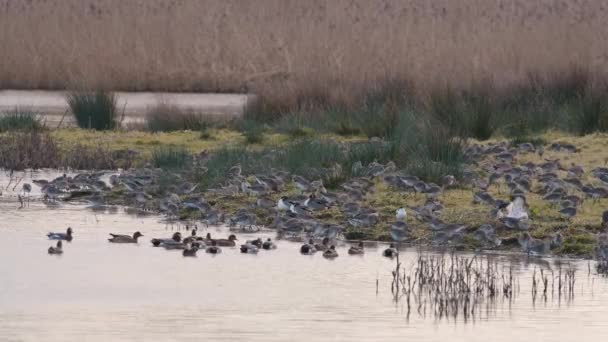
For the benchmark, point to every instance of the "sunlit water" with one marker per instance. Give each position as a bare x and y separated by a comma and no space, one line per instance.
97,291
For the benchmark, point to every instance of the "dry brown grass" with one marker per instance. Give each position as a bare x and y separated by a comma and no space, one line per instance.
297,47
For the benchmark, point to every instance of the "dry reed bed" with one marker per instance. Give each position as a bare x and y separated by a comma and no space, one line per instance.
294,46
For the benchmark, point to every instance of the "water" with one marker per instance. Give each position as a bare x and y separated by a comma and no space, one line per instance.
99,291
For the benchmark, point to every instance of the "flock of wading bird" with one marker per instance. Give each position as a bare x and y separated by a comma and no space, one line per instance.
492,166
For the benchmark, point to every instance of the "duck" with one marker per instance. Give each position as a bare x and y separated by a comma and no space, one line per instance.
330,253
213,249
257,242
190,251
323,246
229,242
268,245
57,249
308,248
249,248
67,236
118,238
356,250
177,237
391,251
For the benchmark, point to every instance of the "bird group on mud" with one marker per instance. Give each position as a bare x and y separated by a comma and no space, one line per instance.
501,176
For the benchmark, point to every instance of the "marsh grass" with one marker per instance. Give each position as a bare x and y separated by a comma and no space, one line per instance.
171,157
20,120
29,150
94,109
168,118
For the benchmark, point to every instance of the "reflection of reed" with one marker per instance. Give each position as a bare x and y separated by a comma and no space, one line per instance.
451,286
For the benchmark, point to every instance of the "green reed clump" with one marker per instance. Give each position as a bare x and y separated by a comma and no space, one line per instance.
171,157
94,109
423,147
253,132
20,120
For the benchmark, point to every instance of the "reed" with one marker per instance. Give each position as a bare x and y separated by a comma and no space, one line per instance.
284,48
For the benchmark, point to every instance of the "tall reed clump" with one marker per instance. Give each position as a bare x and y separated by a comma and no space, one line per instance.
171,157
94,109
425,148
168,118
19,120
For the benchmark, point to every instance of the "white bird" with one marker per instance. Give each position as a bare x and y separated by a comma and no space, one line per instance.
517,210
283,204
401,214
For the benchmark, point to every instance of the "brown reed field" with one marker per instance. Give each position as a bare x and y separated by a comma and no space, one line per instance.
292,47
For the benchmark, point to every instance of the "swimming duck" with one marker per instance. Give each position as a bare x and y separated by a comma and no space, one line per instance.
61,236
323,246
249,248
391,251
118,238
268,244
213,249
177,237
356,250
308,248
331,252
190,251
257,242
56,250
229,242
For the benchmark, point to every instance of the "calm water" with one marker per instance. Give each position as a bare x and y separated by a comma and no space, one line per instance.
97,291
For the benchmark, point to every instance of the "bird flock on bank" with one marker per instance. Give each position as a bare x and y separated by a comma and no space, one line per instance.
496,177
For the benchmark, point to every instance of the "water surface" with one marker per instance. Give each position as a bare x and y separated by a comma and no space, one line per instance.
97,291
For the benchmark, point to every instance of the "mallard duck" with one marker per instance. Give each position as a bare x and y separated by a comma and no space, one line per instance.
323,246
391,251
308,248
331,252
56,250
229,242
354,250
268,244
61,236
118,238
190,251
177,237
213,249
249,248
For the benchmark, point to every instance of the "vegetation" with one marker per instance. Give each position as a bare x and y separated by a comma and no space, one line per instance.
171,157
166,118
18,120
94,109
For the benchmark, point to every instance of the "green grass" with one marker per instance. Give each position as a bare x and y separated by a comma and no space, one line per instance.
94,109
171,157
18,120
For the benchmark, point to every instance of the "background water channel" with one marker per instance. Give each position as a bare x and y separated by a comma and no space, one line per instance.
97,291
